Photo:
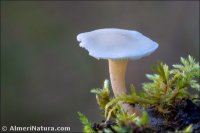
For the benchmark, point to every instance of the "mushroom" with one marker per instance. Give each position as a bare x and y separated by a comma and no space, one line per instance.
117,46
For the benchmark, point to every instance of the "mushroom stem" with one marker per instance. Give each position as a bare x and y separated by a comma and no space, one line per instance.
117,69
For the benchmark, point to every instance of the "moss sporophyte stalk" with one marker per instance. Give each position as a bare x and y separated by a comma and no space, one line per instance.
165,103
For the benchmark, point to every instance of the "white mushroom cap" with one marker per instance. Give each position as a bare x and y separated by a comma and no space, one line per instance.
112,43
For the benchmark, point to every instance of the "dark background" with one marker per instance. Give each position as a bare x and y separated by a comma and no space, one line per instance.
46,77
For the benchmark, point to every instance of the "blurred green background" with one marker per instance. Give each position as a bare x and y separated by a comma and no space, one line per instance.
46,77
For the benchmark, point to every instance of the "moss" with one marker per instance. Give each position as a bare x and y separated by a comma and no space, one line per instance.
166,88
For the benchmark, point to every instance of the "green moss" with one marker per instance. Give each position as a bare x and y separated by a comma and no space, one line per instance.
87,125
102,95
166,86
